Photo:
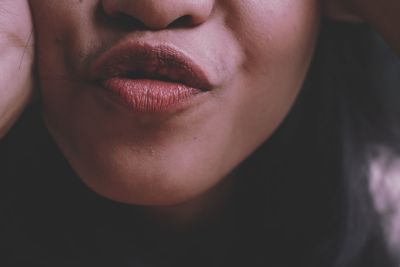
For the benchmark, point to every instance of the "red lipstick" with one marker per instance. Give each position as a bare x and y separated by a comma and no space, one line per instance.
149,78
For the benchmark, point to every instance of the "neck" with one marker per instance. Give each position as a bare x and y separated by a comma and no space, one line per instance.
198,211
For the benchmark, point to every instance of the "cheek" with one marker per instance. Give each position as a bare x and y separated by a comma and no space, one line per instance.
282,34
278,45
59,26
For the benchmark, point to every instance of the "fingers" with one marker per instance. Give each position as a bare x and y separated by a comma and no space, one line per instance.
16,60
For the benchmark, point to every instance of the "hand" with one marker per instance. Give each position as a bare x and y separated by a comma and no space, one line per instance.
16,58
382,15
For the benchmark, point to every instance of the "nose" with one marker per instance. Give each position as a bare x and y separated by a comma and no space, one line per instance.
161,14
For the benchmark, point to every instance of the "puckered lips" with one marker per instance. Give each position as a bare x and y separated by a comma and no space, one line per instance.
150,78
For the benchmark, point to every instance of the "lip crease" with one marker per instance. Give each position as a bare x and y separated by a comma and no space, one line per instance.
150,78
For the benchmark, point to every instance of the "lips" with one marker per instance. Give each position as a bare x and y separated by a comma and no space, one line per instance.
148,78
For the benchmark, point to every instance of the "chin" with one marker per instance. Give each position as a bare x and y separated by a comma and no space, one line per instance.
139,181
136,189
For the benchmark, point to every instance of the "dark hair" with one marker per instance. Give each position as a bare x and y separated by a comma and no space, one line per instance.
320,156
302,197
361,78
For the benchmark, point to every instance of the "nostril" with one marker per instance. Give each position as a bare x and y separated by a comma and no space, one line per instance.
129,22
120,19
182,22
157,15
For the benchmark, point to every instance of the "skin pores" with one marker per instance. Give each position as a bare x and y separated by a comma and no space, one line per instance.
255,54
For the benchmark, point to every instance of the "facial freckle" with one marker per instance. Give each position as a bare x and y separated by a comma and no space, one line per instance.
58,41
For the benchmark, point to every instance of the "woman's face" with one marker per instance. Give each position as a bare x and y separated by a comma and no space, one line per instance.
230,72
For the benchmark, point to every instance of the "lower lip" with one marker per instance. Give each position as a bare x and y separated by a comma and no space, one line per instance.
151,96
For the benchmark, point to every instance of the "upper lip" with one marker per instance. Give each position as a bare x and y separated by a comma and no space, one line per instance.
135,60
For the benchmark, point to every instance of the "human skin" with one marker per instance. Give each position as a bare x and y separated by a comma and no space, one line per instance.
256,53
16,58
16,42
